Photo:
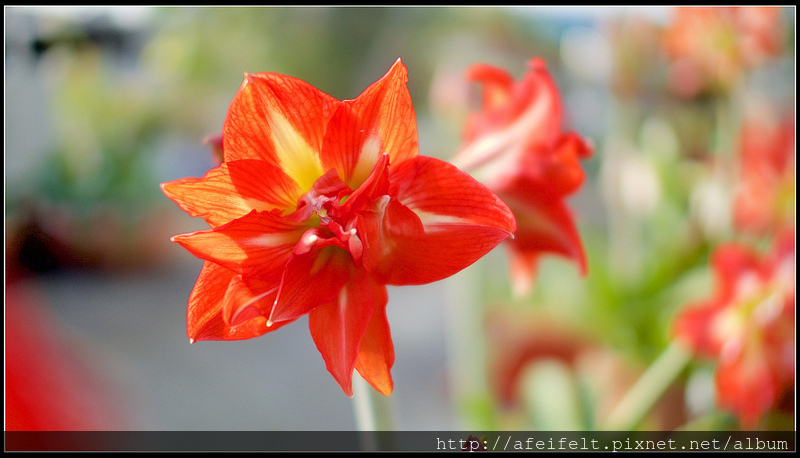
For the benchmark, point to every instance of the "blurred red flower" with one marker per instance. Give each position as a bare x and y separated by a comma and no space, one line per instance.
764,200
317,205
519,341
50,383
710,46
515,146
748,327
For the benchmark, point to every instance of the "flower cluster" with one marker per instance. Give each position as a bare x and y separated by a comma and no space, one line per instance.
709,47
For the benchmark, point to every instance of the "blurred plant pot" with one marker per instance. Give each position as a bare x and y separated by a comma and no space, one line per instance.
47,237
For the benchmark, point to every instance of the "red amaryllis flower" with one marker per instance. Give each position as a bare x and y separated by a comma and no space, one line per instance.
748,327
515,146
710,46
317,205
764,199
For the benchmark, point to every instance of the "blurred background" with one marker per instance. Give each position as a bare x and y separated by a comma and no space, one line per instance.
103,104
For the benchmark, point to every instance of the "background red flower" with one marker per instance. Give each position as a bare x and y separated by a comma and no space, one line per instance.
515,146
747,327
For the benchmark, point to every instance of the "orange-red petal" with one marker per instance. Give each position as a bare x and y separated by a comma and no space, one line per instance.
204,314
531,117
338,327
258,244
376,351
461,218
523,268
497,84
731,262
380,120
693,327
544,226
233,190
247,298
281,120
746,387
310,280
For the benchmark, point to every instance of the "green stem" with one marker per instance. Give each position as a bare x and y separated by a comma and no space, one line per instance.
374,412
466,341
648,389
